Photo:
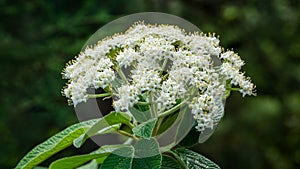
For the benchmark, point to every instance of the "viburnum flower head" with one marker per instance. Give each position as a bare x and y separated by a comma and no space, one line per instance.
167,67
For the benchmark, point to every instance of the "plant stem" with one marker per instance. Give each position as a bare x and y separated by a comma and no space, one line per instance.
143,103
128,141
233,88
163,67
92,96
165,77
127,134
157,125
120,72
173,109
130,125
152,109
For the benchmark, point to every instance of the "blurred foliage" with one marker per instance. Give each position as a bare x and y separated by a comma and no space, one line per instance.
39,36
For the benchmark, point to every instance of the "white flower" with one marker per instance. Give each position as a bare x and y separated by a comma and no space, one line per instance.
126,57
165,62
233,58
170,91
207,111
146,80
202,44
76,91
103,78
128,96
156,47
230,68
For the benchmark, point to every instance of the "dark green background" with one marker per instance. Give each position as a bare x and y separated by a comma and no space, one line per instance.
37,38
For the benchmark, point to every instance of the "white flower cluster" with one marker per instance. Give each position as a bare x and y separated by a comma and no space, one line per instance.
230,68
165,61
87,71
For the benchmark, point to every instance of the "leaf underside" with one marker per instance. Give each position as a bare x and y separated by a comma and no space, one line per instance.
78,160
108,123
54,144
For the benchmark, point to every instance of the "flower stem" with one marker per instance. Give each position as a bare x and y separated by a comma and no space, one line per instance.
152,109
173,109
157,125
163,67
233,88
143,103
127,134
92,96
130,125
122,75
128,141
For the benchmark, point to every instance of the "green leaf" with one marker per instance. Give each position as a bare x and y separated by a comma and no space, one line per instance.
75,161
147,154
40,167
119,159
145,129
144,155
81,139
168,121
139,114
108,123
193,160
91,165
169,163
54,144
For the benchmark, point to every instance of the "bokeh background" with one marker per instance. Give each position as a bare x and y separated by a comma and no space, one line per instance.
37,38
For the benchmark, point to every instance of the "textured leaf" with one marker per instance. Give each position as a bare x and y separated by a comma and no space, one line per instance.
119,159
106,124
140,115
78,142
91,165
144,155
75,161
169,163
147,154
145,129
193,160
54,144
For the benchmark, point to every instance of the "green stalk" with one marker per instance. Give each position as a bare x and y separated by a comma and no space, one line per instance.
122,75
93,96
173,109
153,114
127,134
233,88
157,125
163,66
128,141
143,103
